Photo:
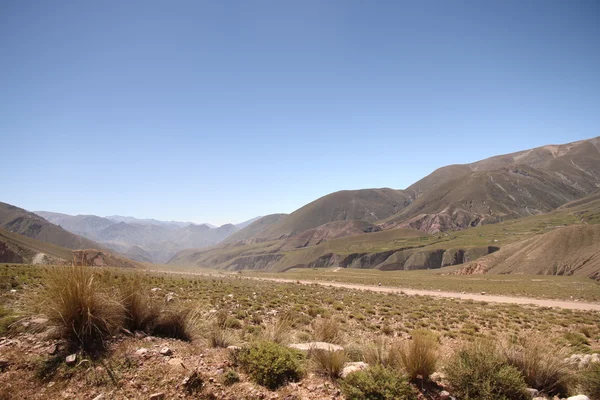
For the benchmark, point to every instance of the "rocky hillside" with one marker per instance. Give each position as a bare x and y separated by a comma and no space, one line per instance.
18,220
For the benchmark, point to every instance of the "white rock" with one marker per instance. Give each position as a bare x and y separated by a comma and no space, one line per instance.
578,397
316,346
444,395
99,397
71,359
533,392
141,351
353,367
165,351
156,289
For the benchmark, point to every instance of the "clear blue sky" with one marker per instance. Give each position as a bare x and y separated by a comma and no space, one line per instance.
218,111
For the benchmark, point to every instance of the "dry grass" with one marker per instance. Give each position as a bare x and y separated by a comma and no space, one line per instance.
541,362
280,331
418,357
75,302
327,330
141,314
328,363
382,352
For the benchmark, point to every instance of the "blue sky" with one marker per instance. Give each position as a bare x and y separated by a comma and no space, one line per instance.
218,111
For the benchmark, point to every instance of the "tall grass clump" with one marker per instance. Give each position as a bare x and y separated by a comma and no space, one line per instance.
328,363
327,330
418,357
280,331
478,372
382,352
590,381
77,305
140,312
541,362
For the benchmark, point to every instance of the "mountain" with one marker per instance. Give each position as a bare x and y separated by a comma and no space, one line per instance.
498,188
146,240
453,216
18,220
368,205
244,224
255,229
16,248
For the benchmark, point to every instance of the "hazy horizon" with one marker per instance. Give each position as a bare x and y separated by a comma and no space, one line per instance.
221,112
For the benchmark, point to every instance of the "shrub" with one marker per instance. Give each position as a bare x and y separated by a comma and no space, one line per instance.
271,365
233,323
419,356
478,372
541,363
327,330
590,381
328,363
230,377
217,336
377,383
74,301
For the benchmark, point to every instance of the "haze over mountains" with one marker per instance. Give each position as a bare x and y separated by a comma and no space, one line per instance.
146,240
493,215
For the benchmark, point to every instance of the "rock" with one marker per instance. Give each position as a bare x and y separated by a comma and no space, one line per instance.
444,395
437,377
234,348
170,297
52,349
533,392
165,351
595,358
99,397
483,293
141,351
156,289
578,397
71,359
157,396
353,367
316,346
39,321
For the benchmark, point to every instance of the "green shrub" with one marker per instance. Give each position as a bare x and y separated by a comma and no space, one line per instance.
230,377
377,383
233,323
478,372
419,356
270,364
590,381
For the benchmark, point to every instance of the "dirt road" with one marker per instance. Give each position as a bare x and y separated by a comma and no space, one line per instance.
571,305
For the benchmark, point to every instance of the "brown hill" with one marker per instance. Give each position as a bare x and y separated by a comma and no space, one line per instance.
15,248
18,220
251,232
365,205
571,250
503,187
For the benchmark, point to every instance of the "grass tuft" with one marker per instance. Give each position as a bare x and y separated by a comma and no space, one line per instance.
419,356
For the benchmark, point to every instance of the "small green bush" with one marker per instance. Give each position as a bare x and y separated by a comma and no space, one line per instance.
230,377
478,372
270,364
377,383
590,381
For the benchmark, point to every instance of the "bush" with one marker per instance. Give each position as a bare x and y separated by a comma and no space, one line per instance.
328,363
74,301
419,356
377,383
230,377
270,364
217,336
478,372
541,363
327,330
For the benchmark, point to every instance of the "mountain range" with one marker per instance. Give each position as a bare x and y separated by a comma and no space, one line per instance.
533,211
147,240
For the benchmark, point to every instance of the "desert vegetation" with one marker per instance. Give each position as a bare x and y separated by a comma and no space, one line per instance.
136,334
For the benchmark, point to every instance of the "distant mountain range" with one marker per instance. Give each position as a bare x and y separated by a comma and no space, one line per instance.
535,211
146,240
